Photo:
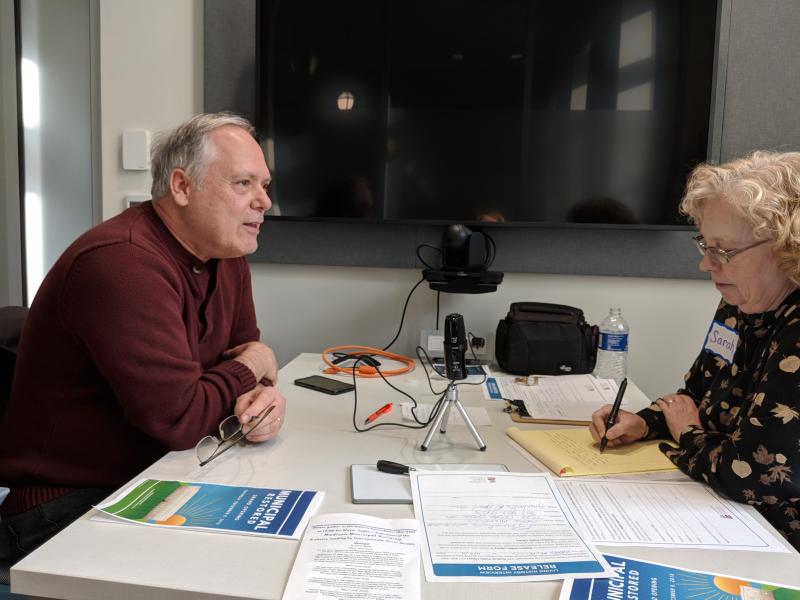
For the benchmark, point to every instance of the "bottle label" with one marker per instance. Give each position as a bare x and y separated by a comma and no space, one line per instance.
614,342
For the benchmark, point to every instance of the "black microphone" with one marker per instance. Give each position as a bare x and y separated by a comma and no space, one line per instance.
455,347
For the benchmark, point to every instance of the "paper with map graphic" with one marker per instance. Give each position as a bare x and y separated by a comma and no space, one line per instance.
248,510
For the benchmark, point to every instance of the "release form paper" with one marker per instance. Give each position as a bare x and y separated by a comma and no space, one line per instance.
498,526
683,514
349,556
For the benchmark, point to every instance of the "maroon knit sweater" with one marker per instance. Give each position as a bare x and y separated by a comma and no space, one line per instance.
120,360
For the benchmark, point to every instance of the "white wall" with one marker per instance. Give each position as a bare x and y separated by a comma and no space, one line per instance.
151,77
308,308
151,54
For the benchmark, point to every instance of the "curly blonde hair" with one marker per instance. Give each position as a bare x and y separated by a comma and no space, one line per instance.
764,189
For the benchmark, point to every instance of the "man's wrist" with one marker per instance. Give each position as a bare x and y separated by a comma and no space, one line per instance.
247,363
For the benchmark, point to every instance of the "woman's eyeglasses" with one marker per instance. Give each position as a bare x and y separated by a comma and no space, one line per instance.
717,254
231,432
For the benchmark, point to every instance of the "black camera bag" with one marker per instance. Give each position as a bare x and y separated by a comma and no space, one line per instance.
545,339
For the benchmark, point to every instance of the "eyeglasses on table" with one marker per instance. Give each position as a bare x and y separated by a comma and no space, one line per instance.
231,432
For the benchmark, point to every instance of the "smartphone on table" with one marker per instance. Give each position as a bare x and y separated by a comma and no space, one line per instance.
326,385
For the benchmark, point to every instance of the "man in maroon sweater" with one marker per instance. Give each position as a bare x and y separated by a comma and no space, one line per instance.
142,337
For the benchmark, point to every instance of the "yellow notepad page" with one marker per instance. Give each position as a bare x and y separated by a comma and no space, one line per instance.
569,452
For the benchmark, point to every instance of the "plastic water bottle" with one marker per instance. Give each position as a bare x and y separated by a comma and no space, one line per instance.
612,352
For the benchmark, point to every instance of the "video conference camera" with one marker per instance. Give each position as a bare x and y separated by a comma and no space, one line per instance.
466,258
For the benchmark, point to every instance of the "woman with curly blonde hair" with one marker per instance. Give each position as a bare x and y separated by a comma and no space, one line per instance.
736,420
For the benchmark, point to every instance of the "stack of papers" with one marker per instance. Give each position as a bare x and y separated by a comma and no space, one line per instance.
567,399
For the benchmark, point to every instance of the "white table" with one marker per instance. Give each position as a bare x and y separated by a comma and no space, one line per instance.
92,560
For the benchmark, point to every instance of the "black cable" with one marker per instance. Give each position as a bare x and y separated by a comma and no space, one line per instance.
403,316
452,381
491,250
437,406
424,368
438,295
419,256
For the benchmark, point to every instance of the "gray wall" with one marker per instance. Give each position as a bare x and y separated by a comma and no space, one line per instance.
10,239
762,89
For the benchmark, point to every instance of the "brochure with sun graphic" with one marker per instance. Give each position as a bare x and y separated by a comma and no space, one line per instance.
641,579
216,507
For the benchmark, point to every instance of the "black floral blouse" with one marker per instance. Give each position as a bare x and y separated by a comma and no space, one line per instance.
749,445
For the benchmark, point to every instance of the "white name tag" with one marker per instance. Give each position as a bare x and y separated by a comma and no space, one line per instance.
722,341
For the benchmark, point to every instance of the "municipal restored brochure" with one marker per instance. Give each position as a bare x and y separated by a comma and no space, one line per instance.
641,579
493,527
215,507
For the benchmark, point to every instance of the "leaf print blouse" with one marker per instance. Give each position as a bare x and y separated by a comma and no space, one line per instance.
749,445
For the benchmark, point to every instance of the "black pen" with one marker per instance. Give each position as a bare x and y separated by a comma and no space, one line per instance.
612,416
387,466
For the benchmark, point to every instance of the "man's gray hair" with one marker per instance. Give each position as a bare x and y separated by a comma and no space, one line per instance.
186,147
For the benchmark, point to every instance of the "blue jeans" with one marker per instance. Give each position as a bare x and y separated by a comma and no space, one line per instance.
22,533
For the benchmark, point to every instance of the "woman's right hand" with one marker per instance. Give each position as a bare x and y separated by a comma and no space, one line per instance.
629,427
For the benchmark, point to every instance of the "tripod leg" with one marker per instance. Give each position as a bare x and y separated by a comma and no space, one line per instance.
445,419
435,425
468,423
452,394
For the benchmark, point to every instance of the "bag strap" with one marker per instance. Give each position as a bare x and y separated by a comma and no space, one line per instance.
543,311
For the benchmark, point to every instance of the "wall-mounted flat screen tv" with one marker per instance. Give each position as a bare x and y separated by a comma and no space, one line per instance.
514,111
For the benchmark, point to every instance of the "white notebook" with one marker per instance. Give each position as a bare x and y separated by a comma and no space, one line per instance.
370,486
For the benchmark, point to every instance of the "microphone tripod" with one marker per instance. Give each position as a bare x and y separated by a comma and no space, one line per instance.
444,415
455,345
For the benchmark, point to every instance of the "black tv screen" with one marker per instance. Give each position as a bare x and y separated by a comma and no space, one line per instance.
442,111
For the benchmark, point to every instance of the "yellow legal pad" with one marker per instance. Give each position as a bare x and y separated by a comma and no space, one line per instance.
569,452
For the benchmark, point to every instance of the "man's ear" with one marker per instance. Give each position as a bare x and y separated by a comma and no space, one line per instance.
180,186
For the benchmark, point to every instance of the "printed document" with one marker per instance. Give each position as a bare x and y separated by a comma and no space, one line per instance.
679,514
492,527
346,556
571,398
213,507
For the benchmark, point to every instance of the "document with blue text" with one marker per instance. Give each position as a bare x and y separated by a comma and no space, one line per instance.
493,527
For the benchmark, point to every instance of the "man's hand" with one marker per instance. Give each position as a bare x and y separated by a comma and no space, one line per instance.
257,357
629,427
253,403
680,412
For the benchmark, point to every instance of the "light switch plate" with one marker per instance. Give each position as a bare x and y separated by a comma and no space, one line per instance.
136,150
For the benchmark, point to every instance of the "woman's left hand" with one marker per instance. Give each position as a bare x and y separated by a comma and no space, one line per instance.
680,412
